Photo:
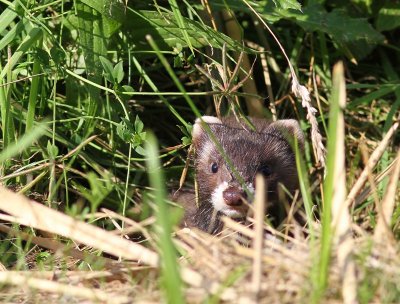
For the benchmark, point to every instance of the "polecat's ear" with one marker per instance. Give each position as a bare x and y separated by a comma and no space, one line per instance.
198,130
292,127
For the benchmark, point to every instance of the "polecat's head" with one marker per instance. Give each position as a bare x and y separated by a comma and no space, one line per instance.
265,150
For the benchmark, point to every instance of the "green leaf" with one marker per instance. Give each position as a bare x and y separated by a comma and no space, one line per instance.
132,133
112,13
388,17
165,31
178,62
96,5
107,68
287,4
143,136
112,9
138,125
125,89
42,257
140,150
57,55
186,140
110,26
187,131
355,35
92,41
118,72
125,130
42,56
52,150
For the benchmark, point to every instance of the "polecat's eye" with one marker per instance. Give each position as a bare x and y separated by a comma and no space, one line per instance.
265,170
214,168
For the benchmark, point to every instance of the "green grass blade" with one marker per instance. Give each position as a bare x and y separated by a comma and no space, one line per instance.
15,31
26,44
22,143
366,99
308,205
304,188
329,186
181,23
8,15
171,279
33,94
7,126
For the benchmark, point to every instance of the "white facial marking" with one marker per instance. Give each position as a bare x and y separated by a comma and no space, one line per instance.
197,127
219,204
216,197
209,120
206,151
196,131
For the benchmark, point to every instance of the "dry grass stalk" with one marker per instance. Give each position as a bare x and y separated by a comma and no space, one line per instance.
388,203
340,214
287,250
301,91
370,178
372,161
78,276
41,217
17,172
285,267
55,246
23,279
132,226
284,272
364,193
186,168
207,7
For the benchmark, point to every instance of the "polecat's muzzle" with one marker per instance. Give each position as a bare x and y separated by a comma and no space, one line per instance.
234,196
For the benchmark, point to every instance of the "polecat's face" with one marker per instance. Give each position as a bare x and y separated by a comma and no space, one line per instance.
264,151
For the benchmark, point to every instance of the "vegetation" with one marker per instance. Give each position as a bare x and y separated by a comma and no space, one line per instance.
97,101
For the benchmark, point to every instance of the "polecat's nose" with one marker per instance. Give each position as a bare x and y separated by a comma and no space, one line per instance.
233,196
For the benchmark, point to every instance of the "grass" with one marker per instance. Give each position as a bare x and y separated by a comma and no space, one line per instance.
97,102
170,273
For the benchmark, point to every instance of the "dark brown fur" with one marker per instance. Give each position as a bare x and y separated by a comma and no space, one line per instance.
250,152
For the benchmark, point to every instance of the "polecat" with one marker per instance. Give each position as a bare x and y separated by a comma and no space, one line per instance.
265,149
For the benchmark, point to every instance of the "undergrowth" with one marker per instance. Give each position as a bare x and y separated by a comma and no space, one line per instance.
97,103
